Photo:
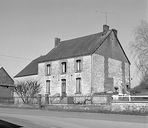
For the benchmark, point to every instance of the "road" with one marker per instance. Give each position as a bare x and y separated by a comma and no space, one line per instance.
51,119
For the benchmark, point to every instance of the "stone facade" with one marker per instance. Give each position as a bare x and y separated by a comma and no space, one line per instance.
115,71
97,73
110,67
101,71
70,76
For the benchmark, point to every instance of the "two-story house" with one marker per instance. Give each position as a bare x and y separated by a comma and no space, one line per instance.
90,64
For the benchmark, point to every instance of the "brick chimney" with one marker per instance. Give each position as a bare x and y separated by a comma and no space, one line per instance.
115,31
56,42
105,28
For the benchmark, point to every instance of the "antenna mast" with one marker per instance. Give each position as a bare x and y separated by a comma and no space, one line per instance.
106,16
105,13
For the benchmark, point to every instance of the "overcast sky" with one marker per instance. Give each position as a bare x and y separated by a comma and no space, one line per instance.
28,27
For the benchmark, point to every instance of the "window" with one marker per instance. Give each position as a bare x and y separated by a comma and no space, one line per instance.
48,69
78,85
63,67
48,86
63,88
78,65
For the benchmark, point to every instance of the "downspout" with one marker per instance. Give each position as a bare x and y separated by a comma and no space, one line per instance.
129,77
91,88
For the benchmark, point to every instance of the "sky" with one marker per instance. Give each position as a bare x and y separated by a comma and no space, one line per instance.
28,27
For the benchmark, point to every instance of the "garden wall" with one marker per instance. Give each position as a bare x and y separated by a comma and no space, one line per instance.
130,107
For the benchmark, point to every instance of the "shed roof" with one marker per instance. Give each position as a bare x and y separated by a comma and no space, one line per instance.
30,69
5,79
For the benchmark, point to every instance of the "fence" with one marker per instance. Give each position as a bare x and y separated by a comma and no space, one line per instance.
130,98
26,100
96,99
57,99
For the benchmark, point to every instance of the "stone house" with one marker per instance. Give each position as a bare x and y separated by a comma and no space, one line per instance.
85,65
6,85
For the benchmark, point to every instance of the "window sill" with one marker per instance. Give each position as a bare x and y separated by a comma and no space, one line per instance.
48,74
78,71
63,73
47,93
78,93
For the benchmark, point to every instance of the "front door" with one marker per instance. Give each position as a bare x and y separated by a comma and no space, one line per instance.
63,88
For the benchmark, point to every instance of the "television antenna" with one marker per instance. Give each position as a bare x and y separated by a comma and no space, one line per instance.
105,13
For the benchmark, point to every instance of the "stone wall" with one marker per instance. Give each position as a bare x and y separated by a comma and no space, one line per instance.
17,99
24,78
127,73
110,67
115,71
27,78
70,76
129,107
97,73
6,92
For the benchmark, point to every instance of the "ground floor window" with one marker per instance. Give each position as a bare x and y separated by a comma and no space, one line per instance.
78,85
48,86
63,88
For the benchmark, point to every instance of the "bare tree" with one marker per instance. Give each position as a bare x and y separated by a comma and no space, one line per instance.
140,48
27,90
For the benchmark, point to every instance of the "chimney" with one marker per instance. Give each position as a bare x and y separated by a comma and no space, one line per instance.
56,42
115,31
105,29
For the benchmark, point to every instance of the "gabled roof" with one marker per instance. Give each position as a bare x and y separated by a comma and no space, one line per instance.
81,46
5,79
75,47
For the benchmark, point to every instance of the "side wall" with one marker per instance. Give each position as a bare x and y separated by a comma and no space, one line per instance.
110,67
70,76
6,92
97,73
31,77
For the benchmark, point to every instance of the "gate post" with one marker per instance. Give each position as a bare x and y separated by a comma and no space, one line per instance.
39,100
46,99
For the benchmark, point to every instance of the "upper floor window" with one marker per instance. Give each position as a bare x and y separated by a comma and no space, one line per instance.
78,85
64,66
78,66
48,67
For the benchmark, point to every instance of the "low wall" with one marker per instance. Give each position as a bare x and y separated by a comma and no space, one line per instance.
120,108
130,107
80,108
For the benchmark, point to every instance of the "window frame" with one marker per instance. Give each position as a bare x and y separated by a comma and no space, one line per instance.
78,65
48,69
63,87
63,67
78,85
48,86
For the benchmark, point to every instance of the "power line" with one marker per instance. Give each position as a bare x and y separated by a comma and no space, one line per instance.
15,57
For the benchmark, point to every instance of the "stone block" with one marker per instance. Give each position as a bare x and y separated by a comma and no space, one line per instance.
99,99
